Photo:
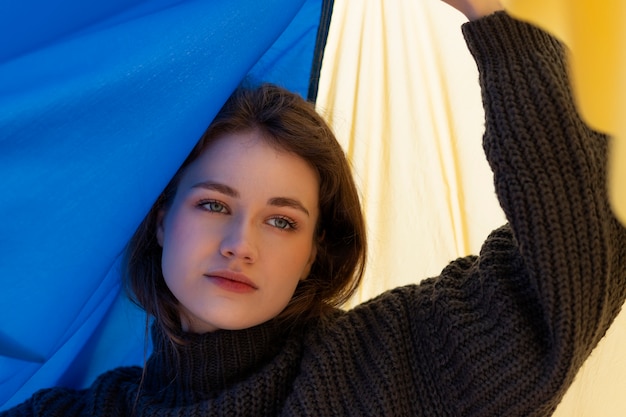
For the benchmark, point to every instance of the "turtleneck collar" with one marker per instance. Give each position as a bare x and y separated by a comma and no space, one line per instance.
210,362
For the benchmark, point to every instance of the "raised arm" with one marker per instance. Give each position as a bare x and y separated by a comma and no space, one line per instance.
558,275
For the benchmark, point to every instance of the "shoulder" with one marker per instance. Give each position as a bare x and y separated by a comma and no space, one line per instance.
92,401
468,281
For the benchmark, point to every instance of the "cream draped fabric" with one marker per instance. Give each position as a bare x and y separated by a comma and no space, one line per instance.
400,89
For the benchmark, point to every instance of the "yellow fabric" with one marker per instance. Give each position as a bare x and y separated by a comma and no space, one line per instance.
400,89
596,35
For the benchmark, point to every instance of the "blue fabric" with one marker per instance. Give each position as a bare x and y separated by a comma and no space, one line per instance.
99,104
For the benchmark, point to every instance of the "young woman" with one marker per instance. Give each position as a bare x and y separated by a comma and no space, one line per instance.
259,237
265,208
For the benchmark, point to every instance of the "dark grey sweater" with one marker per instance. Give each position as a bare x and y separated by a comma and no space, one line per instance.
501,334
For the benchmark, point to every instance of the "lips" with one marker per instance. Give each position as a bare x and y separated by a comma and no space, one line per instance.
231,280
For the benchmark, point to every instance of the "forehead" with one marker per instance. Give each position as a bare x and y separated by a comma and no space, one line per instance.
247,160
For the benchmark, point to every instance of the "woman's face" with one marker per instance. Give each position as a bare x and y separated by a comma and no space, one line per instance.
239,234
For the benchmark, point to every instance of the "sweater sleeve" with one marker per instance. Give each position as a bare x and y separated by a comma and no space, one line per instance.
546,288
112,394
49,402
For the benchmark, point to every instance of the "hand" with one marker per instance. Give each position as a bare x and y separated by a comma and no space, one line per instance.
475,9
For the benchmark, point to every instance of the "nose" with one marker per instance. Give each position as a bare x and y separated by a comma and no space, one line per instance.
239,241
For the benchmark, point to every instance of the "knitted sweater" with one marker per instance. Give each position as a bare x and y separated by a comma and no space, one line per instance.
500,334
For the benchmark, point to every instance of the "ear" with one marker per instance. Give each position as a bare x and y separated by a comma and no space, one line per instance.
160,230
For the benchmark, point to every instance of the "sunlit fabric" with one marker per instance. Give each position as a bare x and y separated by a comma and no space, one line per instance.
411,124
596,35
99,104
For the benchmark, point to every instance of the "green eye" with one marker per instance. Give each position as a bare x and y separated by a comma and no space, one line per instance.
214,206
282,223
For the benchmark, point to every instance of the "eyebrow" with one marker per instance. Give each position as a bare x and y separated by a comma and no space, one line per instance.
231,192
288,202
216,186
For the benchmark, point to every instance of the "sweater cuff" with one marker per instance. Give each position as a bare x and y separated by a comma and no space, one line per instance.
493,37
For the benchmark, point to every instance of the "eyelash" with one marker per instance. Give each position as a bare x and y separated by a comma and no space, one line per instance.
290,227
204,203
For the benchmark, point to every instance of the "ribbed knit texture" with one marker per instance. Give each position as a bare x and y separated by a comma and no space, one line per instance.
502,334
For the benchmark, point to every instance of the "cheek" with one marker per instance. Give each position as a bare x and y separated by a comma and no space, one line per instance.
183,260
296,263
172,262
181,244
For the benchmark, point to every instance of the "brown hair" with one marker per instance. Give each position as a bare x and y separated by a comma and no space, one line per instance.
290,123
